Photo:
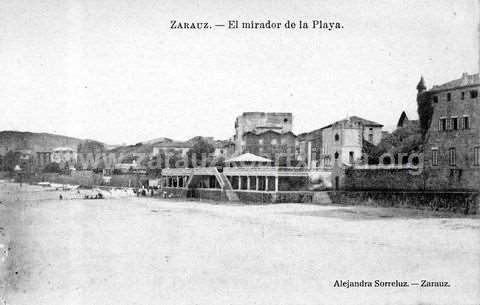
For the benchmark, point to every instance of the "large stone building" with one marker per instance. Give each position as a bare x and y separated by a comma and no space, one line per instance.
452,144
341,142
270,144
267,134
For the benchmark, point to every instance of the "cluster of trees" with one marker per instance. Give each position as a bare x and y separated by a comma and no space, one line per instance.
403,141
201,154
408,139
9,161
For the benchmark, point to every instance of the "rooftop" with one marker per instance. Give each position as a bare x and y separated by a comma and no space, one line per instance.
353,118
261,132
63,149
174,144
266,113
464,81
248,157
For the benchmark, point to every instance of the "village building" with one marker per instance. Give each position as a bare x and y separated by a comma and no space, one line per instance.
172,147
64,155
452,148
343,140
223,148
43,158
340,142
132,167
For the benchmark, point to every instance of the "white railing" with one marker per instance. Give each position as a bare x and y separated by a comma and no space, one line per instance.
177,171
273,171
189,171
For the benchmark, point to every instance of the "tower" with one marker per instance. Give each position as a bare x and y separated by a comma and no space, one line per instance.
421,86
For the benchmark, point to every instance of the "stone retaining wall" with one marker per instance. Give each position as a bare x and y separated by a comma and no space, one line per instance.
457,202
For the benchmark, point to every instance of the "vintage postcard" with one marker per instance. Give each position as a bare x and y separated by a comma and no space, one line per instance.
239,152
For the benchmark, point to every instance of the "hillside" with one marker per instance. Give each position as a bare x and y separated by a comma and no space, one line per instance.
15,140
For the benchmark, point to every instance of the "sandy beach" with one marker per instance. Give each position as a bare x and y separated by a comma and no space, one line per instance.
151,251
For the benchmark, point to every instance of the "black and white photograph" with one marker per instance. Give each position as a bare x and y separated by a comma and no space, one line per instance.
226,152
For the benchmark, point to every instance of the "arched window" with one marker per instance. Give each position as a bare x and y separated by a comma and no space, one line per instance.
337,137
336,155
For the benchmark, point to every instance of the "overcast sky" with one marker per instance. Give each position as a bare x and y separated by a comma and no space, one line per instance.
114,71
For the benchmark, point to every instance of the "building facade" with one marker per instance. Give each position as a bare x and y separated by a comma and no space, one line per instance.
310,147
263,133
173,146
270,144
341,142
64,155
452,145
43,158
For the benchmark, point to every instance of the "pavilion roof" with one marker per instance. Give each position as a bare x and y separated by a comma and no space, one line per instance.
248,157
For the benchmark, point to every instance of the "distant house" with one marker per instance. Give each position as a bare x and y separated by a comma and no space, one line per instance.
341,141
129,168
223,148
64,155
43,158
172,146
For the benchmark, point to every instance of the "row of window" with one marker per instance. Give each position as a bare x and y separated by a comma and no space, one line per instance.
472,93
454,123
327,159
452,156
273,141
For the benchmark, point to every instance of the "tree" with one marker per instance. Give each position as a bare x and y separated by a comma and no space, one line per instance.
404,140
10,160
425,111
100,166
220,161
52,167
200,153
